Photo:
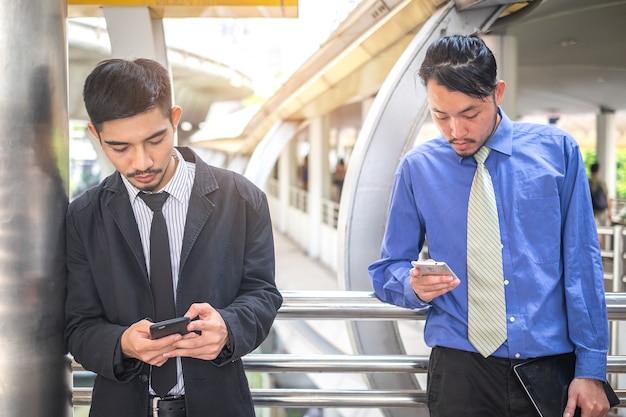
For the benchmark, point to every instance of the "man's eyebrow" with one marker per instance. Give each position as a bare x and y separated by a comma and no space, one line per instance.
152,136
471,107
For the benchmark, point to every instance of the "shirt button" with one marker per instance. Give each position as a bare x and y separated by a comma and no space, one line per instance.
511,319
506,282
517,356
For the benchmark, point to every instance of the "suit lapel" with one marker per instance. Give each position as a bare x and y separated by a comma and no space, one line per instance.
200,206
122,213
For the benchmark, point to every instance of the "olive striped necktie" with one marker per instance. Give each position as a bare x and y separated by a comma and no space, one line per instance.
485,279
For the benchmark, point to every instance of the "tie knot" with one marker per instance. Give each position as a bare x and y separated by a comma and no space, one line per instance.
481,155
154,201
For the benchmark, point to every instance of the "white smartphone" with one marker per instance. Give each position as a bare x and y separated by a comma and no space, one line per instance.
433,268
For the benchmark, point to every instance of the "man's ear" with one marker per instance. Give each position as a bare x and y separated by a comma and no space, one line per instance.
94,131
177,113
499,93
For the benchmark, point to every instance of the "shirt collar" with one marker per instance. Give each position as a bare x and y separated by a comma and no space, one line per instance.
502,139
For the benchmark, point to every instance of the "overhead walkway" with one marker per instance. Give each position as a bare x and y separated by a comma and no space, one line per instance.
364,73
361,79
34,182
379,50
189,8
375,52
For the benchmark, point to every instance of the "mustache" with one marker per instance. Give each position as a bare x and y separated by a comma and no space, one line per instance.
461,140
146,172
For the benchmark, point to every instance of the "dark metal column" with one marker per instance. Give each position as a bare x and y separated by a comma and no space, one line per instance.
34,367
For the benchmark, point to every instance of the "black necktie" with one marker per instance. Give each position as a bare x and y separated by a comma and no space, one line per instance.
163,377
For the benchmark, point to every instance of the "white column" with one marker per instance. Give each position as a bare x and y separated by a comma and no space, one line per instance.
134,34
327,180
606,143
318,169
504,48
287,164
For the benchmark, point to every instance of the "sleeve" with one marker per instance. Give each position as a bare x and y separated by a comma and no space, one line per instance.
250,316
583,271
390,274
93,341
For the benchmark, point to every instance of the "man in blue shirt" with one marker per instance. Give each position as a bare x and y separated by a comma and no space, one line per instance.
551,263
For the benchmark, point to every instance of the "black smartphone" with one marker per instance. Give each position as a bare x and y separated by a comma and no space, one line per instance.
168,327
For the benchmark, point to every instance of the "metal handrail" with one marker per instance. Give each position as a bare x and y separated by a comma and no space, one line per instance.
363,305
352,305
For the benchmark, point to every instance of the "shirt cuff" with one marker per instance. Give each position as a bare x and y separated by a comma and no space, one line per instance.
590,364
412,299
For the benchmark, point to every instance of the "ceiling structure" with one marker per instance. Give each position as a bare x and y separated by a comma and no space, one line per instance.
198,81
191,8
571,60
571,56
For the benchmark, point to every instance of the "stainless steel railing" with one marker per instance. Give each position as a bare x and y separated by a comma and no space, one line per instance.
354,305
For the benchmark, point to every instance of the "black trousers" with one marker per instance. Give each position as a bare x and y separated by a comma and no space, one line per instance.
465,384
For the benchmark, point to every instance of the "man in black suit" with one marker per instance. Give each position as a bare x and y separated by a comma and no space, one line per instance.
221,249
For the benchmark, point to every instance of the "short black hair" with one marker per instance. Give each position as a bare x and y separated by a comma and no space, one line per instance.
461,63
595,167
119,88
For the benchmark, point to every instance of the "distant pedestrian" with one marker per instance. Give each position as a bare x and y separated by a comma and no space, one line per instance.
303,174
338,177
599,197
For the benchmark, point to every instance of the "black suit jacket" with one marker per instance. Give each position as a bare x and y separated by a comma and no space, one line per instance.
227,260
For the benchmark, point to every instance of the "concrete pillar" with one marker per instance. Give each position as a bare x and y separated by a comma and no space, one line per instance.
134,34
606,143
318,171
34,368
287,167
504,48
327,180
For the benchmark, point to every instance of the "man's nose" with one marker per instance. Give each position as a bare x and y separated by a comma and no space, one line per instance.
457,128
141,160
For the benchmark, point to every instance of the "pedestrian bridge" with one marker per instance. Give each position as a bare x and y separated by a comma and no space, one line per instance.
355,98
356,306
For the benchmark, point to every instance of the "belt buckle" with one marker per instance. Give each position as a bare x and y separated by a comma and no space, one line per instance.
155,406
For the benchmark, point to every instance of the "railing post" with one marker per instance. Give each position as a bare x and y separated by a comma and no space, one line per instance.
350,305
618,257
618,269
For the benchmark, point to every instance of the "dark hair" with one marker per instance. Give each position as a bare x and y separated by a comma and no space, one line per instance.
461,63
119,88
595,167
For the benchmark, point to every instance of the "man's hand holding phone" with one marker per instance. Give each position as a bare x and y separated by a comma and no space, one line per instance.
137,342
431,279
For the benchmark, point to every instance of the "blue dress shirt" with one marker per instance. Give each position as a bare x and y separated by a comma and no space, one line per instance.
553,274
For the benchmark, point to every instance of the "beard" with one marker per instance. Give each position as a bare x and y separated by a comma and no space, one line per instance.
147,187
